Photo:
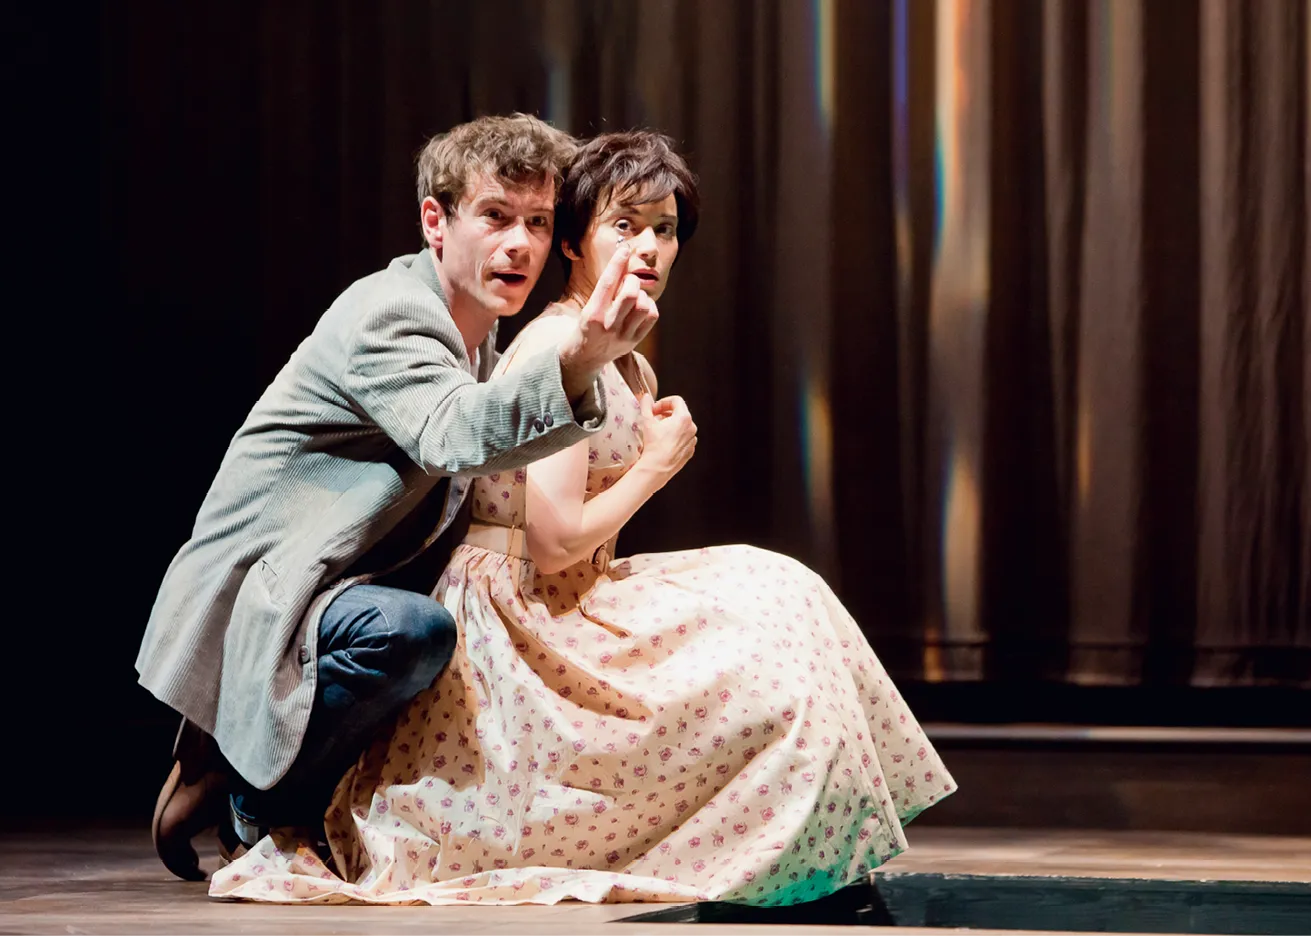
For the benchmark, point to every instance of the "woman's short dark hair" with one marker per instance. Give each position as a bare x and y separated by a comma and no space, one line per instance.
624,166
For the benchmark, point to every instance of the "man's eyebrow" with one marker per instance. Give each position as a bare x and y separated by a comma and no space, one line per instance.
502,201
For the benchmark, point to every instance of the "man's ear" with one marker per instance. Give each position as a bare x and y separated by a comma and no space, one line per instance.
433,221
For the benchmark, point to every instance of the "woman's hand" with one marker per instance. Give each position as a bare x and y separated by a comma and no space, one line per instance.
668,436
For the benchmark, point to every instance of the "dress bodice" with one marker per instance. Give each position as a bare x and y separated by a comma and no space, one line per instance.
499,497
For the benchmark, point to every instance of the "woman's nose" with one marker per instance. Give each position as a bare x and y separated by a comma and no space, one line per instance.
646,246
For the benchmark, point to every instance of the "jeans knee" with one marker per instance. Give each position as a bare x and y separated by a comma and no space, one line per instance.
424,632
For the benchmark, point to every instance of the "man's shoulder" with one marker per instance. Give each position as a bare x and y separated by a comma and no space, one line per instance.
399,280
396,292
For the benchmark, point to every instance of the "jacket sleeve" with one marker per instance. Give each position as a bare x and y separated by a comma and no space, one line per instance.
404,371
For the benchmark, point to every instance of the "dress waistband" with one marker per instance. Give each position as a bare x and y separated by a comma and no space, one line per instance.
510,541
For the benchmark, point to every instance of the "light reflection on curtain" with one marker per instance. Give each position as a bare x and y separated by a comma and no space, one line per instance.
997,316
1034,301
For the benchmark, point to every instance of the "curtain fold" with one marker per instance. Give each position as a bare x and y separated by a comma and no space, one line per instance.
997,316
1032,340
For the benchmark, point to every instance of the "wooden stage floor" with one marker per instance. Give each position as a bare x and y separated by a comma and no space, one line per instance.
107,880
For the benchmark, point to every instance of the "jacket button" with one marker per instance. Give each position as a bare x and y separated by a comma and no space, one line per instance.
547,419
304,655
538,425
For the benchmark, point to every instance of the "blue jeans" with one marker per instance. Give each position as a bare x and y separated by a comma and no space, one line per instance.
378,648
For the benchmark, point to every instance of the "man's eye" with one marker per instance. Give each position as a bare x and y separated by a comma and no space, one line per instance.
539,221
493,213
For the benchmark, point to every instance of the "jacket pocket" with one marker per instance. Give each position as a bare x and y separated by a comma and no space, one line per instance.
272,582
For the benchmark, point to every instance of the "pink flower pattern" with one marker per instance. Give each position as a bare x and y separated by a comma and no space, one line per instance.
700,725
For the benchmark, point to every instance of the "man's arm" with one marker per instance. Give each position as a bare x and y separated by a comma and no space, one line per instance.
404,372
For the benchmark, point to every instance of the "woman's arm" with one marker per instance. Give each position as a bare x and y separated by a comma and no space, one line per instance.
562,528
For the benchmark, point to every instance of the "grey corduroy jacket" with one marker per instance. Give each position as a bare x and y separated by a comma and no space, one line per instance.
371,417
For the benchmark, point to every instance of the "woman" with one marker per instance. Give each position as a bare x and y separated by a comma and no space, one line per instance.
708,724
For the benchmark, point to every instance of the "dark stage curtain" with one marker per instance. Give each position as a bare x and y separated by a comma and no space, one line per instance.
997,316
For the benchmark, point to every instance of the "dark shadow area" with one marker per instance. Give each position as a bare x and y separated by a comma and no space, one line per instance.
1020,701
1106,905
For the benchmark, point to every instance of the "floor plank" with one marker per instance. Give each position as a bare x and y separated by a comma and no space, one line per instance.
108,881
1156,855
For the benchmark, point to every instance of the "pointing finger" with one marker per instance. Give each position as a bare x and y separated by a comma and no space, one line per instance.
613,274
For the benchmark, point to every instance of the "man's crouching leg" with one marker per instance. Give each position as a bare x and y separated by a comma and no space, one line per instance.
378,648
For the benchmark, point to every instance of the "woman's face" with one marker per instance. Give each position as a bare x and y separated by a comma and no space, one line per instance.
650,229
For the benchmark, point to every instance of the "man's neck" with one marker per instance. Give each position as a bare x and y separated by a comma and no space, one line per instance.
473,329
474,323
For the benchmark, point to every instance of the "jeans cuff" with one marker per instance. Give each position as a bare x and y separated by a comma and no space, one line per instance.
247,827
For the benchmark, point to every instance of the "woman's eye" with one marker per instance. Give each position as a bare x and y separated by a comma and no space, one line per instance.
666,230
623,225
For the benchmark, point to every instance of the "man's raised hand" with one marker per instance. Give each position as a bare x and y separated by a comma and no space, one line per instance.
613,322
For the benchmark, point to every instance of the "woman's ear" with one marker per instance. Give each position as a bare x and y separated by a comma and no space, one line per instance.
567,249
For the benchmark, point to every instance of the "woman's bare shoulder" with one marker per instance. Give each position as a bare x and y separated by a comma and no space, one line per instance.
551,327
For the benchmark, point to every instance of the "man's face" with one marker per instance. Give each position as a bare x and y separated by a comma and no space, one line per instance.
492,248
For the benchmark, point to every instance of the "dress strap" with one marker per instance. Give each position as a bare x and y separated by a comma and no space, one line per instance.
631,371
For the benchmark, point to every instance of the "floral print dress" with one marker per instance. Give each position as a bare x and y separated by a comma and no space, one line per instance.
700,725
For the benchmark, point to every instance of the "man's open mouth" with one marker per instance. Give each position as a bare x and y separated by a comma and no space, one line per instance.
509,277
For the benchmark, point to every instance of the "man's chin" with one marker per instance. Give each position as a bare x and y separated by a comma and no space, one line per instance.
506,306
508,300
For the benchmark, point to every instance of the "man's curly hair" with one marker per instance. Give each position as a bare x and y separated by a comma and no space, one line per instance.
518,150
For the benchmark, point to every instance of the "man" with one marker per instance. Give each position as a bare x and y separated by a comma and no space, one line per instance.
278,633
